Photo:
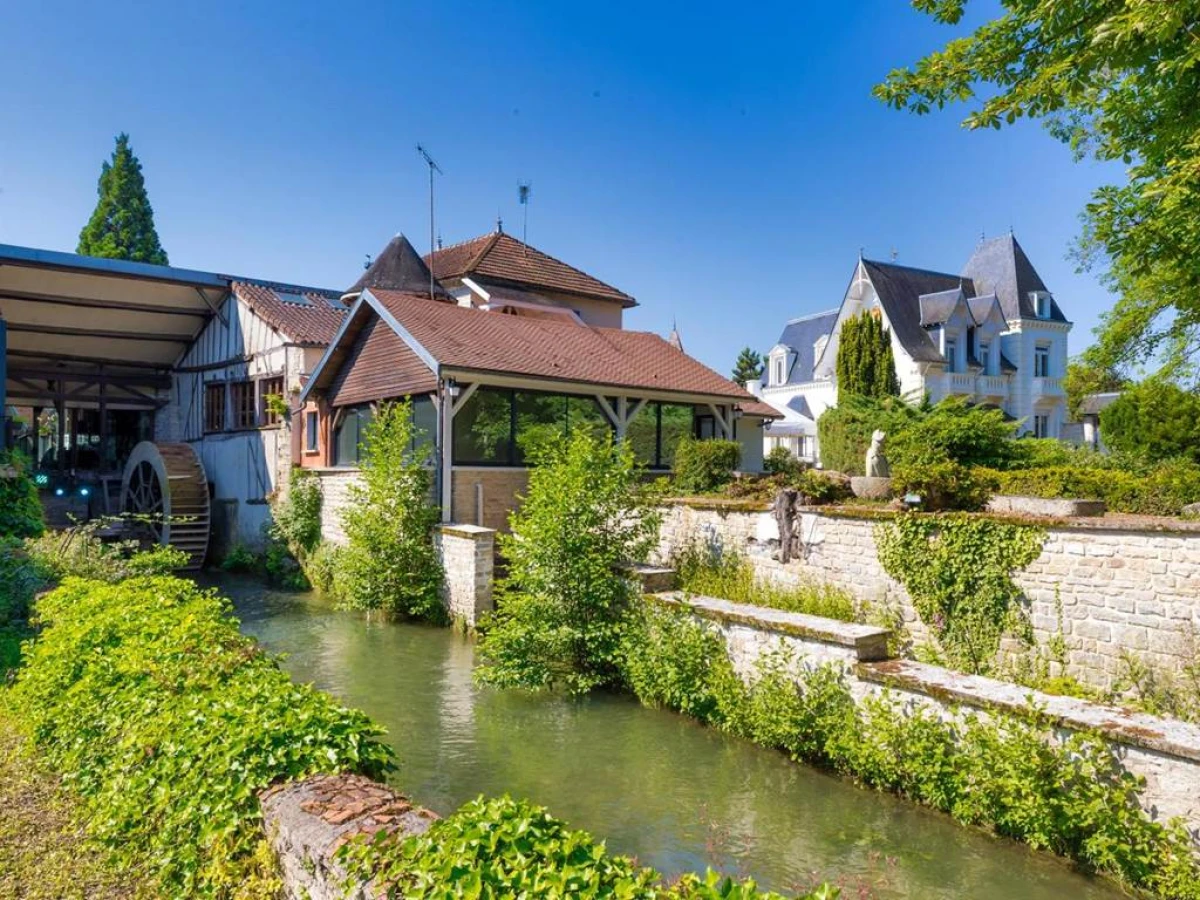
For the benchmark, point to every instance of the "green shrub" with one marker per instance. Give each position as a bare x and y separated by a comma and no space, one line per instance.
1044,453
704,466
561,608
240,559
818,488
958,570
1156,419
168,722
781,462
844,431
707,572
866,366
944,484
1163,490
1005,772
80,553
20,508
296,519
21,577
956,431
322,567
389,562
508,848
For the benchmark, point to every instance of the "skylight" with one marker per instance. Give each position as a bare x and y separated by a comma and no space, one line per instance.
293,297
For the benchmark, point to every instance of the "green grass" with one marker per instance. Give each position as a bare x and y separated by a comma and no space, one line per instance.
731,577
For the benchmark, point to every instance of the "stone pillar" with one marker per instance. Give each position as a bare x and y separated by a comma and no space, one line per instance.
468,555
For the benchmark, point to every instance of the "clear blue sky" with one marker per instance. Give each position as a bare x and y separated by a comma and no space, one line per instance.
722,163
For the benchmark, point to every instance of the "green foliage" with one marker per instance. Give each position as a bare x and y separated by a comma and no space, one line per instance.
563,603
1156,418
704,466
954,431
943,484
844,431
508,848
20,508
866,366
240,559
296,519
1003,772
122,225
712,572
781,462
1162,490
322,567
748,366
167,722
79,552
1117,81
389,562
818,488
958,570
1083,379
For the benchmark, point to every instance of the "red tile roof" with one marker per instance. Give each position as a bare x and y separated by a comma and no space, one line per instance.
380,366
466,338
758,408
315,321
503,258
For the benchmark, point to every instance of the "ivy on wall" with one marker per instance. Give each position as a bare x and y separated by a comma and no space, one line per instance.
958,571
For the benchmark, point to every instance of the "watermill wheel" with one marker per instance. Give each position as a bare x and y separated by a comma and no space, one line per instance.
164,485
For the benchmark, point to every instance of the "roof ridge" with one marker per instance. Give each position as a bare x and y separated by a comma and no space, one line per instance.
462,243
815,315
563,263
892,265
282,286
488,245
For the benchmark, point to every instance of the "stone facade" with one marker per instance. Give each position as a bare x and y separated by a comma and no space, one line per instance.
468,555
485,495
1165,752
1105,590
335,497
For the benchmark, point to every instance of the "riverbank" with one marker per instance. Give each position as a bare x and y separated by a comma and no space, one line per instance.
44,852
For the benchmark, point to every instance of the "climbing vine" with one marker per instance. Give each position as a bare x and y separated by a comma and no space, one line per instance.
958,571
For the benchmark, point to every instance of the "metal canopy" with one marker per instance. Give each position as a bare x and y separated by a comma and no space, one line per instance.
81,328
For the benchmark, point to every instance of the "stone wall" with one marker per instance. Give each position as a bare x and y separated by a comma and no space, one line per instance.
1163,751
485,495
335,497
1106,589
468,555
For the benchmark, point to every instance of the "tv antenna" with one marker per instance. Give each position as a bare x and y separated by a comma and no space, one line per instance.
524,189
433,167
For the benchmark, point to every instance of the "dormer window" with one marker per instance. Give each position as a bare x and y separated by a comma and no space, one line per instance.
778,370
984,356
951,355
1042,304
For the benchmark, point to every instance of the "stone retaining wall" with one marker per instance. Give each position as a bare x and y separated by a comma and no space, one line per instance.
1165,752
1107,590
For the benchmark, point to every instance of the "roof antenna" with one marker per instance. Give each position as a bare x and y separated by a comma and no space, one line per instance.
982,236
433,167
439,240
367,262
524,189
895,253
499,224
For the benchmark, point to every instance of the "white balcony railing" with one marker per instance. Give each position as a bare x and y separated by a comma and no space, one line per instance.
992,386
962,383
1051,387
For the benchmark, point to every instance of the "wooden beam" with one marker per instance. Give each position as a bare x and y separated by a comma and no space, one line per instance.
54,396
97,303
461,400
94,377
107,334
90,360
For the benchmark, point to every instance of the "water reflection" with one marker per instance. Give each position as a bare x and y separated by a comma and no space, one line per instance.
674,794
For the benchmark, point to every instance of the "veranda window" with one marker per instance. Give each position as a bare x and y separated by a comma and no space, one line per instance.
243,405
214,407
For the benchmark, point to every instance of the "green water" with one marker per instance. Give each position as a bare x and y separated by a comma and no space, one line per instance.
674,794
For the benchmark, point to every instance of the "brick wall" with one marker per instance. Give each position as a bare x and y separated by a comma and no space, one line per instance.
1136,591
468,555
499,488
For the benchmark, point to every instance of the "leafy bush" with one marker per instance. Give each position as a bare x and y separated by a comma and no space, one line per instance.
389,562
562,605
508,848
954,430
240,559
705,571
781,462
818,488
168,722
21,577
79,552
703,466
1044,453
322,567
944,484
958,570
844,431
1002,771
20,508
1157,419
296,519
1163,490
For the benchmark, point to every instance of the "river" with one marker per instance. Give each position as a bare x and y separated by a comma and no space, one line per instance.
674,794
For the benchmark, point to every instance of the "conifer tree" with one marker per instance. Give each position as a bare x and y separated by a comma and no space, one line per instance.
866,365
747,367
122,225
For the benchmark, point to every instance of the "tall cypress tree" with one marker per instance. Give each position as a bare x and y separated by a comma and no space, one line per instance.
122,225
866,366
748,366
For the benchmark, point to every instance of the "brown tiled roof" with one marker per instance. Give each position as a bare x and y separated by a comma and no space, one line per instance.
380,366
315,321
758,408
466,338
503,258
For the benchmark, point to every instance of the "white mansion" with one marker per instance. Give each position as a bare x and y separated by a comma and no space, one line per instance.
993,334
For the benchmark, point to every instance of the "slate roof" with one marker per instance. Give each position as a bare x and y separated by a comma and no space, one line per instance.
1000,266
936,309
501,257
470,339
306,315
900,289
398,267
800,335
981,307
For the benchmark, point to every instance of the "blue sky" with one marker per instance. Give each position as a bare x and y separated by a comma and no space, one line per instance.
723,164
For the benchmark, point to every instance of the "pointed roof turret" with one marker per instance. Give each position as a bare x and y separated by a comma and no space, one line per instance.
674,339
399,267
1000,266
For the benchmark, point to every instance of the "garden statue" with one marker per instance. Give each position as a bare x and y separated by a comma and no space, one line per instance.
877,464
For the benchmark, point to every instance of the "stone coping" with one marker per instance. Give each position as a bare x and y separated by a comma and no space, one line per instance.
467,531
1125,726
1111,522
867,641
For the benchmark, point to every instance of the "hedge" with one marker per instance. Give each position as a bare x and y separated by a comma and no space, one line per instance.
1164,491
702,466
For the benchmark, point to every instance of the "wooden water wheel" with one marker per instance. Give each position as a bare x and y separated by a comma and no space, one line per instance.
165,486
